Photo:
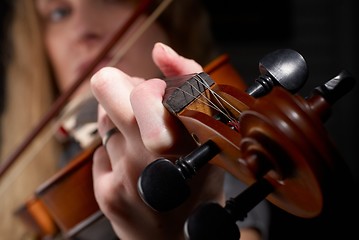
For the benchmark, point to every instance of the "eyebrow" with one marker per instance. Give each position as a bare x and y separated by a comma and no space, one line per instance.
41,3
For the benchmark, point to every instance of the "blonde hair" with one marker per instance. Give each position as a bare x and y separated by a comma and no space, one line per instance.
29,94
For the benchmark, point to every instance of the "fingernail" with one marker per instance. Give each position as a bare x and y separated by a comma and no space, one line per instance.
168,50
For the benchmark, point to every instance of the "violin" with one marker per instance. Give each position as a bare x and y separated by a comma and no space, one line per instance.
78,215
266,136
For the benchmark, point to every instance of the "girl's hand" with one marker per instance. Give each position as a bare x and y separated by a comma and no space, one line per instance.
146,131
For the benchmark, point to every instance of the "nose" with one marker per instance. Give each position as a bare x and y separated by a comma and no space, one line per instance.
87,28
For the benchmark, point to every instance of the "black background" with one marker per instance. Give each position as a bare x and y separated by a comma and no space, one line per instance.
325,32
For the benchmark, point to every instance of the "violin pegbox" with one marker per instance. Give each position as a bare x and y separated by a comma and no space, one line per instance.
289,153
267,137
215,109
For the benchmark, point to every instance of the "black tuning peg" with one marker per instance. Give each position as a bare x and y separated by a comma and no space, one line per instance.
284,67
336,87
331,91
163,186
211,221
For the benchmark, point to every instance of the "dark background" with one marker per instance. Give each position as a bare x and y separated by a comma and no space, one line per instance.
4,15
325,32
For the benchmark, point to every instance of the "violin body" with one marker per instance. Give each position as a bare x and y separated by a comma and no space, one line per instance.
35,215
67,204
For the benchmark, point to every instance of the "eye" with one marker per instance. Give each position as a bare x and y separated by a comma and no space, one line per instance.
59,13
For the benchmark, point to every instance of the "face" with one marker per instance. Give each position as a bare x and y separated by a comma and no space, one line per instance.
75,31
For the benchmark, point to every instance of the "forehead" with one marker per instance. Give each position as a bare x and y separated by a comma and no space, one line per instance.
42,3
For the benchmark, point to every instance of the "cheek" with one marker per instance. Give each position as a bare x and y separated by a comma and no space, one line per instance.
53,45
56,52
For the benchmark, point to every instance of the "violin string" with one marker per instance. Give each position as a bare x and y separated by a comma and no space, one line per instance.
119,52
209,102
220,100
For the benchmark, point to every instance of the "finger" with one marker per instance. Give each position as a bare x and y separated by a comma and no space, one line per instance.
101,164
112,88
103,121
172,64
103,178
112,138
160,131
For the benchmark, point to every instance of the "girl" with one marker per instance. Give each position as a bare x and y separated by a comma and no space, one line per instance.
53,43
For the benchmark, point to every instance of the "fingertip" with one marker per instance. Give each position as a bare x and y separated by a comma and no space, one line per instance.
101,74
171,63
161,48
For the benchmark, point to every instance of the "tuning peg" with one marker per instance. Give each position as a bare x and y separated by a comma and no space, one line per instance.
162,185
284,67
325,95
212,221
336,87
